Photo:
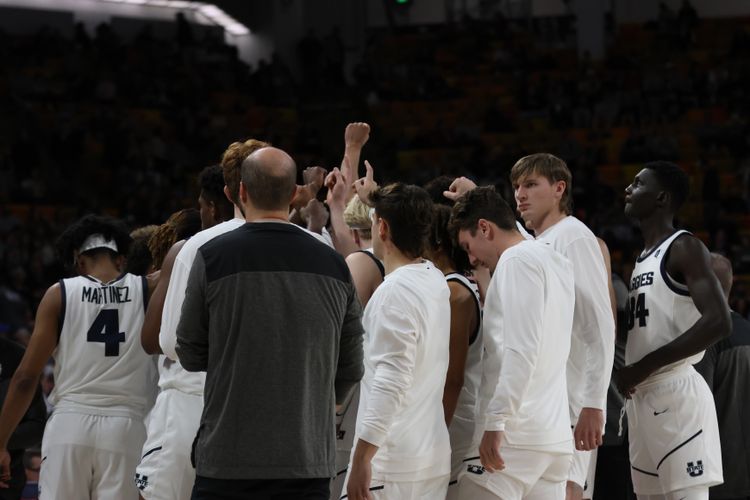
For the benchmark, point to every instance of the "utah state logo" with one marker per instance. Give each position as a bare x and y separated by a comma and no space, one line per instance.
695,469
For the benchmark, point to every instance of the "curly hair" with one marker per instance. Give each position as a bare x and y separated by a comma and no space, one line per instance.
180,225
72,238
231,164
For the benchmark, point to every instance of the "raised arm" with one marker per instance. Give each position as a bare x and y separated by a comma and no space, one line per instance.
25,380
343,241
355,137
690,261
152,320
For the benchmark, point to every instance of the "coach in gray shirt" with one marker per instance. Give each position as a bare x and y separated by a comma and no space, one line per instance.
273,318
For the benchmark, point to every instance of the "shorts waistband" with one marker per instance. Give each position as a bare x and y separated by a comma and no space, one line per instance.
673,373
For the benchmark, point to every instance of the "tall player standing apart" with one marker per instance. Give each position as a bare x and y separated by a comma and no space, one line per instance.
543,188
402,449
103,378
676,311
165,471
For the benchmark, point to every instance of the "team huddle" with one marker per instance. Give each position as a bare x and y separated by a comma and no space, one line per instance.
402,343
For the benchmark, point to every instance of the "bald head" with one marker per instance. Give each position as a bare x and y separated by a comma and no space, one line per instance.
723,271
269,176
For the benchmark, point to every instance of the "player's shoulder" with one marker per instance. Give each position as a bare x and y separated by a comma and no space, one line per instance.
214,235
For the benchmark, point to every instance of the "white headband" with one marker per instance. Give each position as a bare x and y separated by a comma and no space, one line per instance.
97,240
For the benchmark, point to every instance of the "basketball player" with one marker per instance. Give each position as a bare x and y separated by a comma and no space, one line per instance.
676,311
542,184
402,448
352,231
165,471
465,354
103,380
523,416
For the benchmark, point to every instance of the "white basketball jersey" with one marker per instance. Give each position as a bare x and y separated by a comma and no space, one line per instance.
659,308
99,361
465,407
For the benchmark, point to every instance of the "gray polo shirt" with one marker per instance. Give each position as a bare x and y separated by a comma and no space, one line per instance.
272,316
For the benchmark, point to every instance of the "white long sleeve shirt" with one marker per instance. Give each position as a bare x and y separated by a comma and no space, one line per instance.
171,373
592,348
407,333
528,318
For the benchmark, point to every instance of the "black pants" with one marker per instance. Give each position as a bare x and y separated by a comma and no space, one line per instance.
207,488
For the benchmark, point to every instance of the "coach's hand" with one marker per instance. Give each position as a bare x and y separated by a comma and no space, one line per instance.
4,468
489,451
588,431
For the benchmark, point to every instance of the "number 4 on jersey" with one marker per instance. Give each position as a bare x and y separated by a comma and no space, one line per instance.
637,309
105,329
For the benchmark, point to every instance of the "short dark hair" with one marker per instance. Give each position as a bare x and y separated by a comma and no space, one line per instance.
266,190
139,257
672,179
551,167
437,186
231,164
442,240
211,182
481,203
73,237
408,210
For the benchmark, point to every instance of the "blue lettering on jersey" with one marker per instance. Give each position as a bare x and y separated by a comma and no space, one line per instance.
644,279
106,294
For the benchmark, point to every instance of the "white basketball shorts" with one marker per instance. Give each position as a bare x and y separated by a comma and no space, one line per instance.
165,471
674,434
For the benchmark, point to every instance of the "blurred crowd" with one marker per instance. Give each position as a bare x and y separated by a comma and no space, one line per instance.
97,123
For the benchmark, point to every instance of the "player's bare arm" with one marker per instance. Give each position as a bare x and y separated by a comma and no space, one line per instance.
152,320
25,380
365,275
463,322
688,262
356,136
343,241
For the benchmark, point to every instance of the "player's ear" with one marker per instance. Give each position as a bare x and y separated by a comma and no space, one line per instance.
664,199
484,228
560,187
383,229
243,193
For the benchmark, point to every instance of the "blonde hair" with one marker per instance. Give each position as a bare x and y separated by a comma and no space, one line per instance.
357,216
